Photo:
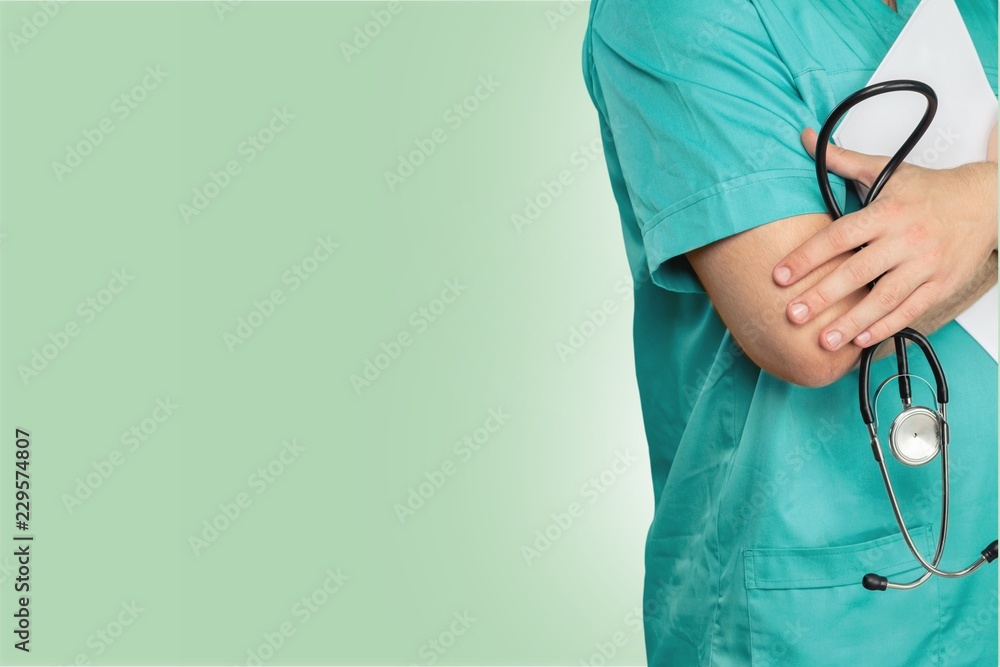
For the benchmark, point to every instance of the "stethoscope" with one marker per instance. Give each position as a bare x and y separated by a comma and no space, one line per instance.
918,433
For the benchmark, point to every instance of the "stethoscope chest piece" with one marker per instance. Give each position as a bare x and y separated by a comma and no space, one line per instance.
915,436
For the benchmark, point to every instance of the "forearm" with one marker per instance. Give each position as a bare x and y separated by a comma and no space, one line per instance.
985,278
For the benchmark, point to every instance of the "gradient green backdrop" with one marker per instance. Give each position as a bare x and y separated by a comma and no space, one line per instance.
113,516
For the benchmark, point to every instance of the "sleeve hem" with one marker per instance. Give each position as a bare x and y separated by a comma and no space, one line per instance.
724,210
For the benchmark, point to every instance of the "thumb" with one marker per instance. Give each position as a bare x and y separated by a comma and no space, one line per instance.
852,165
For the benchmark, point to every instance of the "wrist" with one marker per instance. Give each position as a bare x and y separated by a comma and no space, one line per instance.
985,198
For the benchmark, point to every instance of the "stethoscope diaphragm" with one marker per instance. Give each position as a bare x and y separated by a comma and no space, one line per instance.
915,433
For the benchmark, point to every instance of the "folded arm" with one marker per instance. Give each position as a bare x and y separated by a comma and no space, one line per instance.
763,308
736,273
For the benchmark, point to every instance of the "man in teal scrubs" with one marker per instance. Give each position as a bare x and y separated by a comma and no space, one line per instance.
769,507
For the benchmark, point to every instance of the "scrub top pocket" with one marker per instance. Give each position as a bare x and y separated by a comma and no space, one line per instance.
807,606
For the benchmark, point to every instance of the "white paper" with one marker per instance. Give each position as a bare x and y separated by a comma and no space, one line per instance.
934,47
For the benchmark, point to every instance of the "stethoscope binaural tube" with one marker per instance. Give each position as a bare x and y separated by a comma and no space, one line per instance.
823,176
874,581
897,85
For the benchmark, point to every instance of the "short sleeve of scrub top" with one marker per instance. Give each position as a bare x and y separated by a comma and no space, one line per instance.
769,507
707,120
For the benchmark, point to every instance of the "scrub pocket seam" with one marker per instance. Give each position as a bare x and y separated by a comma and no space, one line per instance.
760,568
764,587
804,581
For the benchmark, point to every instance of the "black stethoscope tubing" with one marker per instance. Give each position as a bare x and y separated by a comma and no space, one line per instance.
874,581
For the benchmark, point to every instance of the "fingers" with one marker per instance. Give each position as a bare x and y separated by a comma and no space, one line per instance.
913,307
851,165
840,236
847,233
895,302
856,272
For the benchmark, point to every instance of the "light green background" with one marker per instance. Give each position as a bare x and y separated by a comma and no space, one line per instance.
162,337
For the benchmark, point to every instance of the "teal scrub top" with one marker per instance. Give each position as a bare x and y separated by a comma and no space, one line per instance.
769,506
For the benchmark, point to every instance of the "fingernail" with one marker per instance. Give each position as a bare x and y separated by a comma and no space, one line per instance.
782,274
799,312
863,338
833,338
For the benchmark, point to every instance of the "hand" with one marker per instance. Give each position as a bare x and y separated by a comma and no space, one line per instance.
927,234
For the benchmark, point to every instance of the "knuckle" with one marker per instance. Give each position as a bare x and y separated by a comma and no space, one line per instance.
916,233
934,257
890,293
863,219
886,299
892,207
859,272
819,297
850,324
837,236
869,173
911,310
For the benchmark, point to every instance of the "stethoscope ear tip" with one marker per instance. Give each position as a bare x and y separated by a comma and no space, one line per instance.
990,552
874,582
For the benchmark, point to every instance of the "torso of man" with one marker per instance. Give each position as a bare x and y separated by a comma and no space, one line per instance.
769,507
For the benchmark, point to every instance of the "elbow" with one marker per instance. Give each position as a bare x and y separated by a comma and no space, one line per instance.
803,363
817,367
